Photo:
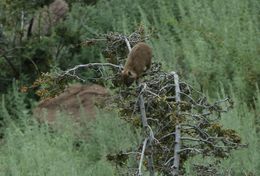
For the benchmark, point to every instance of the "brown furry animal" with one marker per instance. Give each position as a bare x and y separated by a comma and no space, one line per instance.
75,100
138,61
47,18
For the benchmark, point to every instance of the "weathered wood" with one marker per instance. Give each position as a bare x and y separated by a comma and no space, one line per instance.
143,113
177,142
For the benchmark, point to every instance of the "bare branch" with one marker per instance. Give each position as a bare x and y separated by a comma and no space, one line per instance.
128,44
177,145
72,71
142,109
191,149
167,135
169,160
177,87
176,163
142,157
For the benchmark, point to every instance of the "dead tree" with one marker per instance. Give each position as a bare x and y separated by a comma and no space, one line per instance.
178,122
182,121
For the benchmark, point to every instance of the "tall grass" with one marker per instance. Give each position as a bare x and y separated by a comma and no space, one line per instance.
64,148
244,161
206,41
34,150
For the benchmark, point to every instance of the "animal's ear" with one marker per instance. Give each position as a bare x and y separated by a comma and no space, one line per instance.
130,73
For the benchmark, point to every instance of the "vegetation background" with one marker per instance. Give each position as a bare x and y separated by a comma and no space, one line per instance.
214,45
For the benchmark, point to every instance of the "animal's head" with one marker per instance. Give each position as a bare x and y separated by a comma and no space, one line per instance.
128,77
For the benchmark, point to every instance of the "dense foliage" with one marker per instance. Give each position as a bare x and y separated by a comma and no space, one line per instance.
214,45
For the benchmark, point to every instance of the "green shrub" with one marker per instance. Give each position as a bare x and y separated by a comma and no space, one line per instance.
30,148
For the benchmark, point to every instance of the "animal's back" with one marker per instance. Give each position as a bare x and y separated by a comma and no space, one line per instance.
138,61
48,17
140,57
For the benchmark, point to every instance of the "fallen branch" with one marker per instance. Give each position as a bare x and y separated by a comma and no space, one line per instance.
177,144
142,157
143,113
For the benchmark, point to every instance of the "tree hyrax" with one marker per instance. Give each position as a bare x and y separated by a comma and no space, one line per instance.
138,61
